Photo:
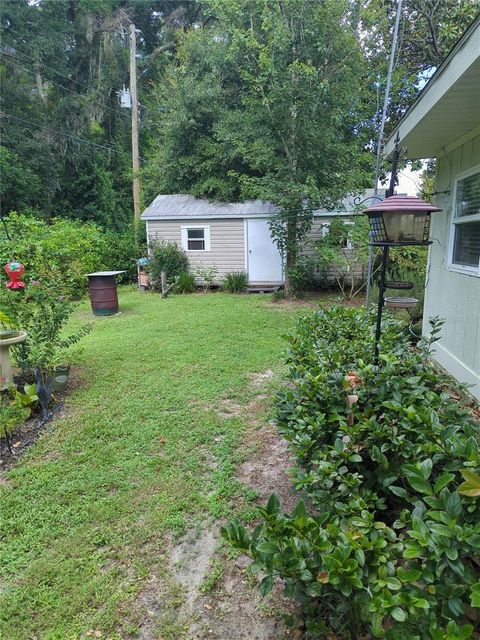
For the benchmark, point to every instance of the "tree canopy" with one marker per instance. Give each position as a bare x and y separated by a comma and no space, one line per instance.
278,99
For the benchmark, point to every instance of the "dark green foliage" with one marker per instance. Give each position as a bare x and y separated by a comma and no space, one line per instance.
64,251
235,282
61,65
388,546
304,276
185,283
166,256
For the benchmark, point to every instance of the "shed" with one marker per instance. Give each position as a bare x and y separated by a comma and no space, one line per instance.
231,236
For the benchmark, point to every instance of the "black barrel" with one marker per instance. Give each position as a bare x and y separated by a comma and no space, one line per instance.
103,292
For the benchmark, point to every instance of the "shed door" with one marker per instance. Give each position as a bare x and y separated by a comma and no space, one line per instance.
264,259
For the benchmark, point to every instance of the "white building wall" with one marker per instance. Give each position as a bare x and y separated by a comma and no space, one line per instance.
449,294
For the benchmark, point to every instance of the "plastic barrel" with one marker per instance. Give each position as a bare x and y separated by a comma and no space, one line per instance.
103,295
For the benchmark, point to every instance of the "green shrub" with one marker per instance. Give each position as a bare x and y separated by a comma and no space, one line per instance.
63,251
235,282
185,283
166,256
390,543
278,295
42,313
302,275
206,275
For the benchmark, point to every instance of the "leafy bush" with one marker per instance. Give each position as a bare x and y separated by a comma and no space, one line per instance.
342,253
390,544
166,256
185,283
206,275
42,313
235,282
302,275
63,251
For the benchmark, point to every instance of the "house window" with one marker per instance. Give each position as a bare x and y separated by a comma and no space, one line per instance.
196,238
465,250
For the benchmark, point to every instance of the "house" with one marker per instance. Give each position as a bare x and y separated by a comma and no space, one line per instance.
231,236
444,123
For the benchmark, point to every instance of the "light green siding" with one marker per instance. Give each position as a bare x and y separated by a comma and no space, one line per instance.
449,294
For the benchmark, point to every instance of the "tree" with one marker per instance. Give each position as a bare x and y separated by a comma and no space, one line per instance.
61,65
266,104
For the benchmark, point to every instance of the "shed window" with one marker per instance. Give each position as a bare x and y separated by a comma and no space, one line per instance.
196,238
466,223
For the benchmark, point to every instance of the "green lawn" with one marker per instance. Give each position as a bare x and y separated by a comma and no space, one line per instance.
140,456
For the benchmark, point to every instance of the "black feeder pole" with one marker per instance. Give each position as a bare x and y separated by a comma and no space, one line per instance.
397,221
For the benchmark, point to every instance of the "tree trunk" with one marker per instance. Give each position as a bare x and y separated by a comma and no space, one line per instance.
290,257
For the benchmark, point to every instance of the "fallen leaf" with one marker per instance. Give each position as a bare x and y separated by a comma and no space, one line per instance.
162,440
207,606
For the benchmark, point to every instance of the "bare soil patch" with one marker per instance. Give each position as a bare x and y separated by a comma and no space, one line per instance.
267,470
215,596
28,433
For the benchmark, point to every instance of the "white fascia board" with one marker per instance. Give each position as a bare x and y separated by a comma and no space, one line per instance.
461,58
323,214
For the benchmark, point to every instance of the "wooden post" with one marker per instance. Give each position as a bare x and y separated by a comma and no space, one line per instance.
135,155
164,284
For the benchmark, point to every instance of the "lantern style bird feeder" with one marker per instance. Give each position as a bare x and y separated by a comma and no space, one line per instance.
400,221
397,221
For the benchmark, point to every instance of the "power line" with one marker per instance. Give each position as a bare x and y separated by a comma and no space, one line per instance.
9,28
57,131
22,53
61,86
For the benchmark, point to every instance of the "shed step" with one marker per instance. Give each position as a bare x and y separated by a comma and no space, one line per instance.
263,289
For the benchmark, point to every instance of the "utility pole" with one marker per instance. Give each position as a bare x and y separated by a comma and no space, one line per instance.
380,137
135,157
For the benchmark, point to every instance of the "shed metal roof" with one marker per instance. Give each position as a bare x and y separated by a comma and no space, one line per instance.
181,206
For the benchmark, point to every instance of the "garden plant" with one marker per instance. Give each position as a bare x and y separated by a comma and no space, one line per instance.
387,540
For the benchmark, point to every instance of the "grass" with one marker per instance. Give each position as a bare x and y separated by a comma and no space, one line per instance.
140,456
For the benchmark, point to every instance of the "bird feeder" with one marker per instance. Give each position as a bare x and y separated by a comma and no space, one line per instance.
395,222
400,220
14,271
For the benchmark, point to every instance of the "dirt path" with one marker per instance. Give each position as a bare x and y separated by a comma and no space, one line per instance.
217,595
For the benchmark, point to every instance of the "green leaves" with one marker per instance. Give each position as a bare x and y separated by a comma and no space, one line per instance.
471,486
393,543
417,476
398,614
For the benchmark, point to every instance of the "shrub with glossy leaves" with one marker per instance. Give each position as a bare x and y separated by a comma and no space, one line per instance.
64,251
390,543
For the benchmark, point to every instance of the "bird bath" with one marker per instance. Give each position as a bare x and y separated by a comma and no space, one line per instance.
7,338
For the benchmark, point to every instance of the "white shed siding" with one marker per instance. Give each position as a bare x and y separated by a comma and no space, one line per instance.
227,244
451,295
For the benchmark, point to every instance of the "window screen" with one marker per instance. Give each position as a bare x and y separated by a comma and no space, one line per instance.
196,239
466,243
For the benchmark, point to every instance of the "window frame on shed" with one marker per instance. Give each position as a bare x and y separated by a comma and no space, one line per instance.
195,227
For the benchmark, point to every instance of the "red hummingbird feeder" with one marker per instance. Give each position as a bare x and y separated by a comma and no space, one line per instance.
14,271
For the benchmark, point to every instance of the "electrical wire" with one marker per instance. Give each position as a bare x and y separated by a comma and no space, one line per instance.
10,28
45,66
61,86
3,114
